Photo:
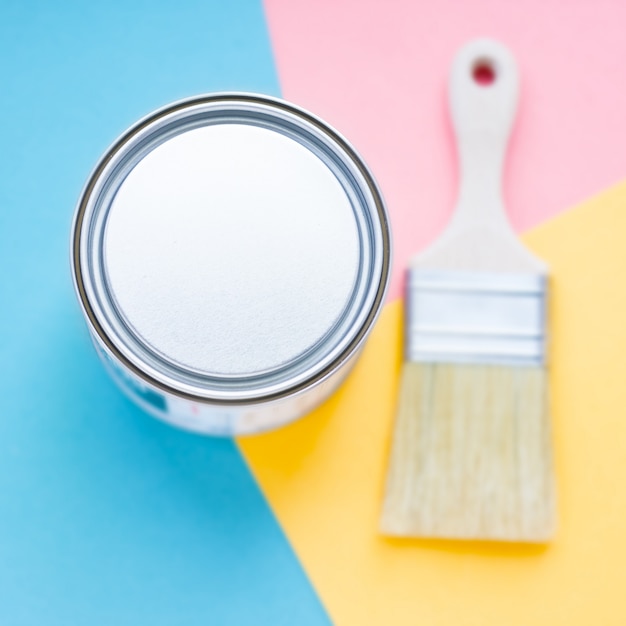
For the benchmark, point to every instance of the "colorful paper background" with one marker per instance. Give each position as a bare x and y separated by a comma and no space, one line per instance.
108,517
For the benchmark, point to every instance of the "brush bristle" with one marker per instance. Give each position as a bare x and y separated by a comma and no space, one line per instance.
471,456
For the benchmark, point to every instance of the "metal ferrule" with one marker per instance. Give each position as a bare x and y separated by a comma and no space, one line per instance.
468,317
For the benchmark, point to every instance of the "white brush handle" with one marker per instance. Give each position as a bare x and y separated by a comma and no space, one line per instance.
482,115
479,237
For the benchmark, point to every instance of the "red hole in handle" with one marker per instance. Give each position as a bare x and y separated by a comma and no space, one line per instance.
484,74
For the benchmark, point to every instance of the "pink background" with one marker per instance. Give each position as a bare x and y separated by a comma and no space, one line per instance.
377,71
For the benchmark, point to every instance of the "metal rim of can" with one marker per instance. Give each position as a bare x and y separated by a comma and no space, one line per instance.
155,129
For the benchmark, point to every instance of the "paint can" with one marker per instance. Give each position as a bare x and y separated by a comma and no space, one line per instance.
230,253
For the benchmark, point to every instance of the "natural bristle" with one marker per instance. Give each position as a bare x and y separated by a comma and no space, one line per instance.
471,455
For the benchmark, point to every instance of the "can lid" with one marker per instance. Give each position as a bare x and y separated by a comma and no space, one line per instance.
234,248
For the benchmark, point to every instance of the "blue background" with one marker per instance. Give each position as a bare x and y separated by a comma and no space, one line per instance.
107,516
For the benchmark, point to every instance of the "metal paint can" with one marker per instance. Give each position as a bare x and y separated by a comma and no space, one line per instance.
230,253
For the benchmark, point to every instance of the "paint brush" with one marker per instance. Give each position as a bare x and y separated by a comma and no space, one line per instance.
471,454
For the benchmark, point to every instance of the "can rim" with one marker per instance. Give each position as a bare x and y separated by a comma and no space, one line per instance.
243,98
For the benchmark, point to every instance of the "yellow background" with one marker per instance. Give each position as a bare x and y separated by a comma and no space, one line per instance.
323,475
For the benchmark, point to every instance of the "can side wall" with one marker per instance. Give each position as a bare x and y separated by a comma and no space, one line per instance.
219,419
